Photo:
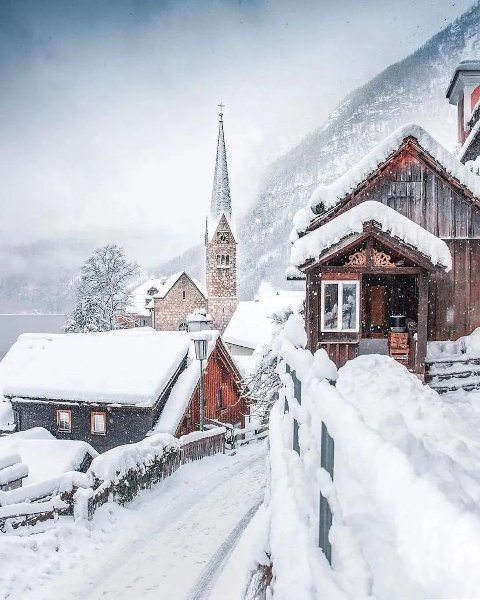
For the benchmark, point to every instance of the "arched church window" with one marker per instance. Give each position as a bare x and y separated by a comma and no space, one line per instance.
184,294
183,326
223,260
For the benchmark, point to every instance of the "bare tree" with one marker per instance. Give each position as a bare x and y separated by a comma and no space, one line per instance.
103,293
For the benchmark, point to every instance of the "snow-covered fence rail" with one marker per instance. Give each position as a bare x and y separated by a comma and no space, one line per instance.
41,501
405,495
119,474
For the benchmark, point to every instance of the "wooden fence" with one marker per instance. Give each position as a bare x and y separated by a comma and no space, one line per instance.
22,507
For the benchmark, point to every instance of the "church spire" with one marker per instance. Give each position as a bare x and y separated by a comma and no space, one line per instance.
221,201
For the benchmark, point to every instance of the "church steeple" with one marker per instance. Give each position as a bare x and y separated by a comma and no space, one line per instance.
221,243
221,201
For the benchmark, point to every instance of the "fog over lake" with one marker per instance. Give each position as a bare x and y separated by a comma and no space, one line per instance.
11,326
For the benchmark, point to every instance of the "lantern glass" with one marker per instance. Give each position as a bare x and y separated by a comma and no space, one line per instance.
200,349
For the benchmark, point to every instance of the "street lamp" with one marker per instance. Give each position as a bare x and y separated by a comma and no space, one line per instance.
200,340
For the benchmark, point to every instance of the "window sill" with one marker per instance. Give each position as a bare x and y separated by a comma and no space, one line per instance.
98,433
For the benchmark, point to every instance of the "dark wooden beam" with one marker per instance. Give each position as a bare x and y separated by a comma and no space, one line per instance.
422,324
372,270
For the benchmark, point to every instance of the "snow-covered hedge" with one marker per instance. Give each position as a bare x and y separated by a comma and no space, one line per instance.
405,492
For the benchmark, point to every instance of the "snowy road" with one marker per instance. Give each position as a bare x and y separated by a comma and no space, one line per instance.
170,543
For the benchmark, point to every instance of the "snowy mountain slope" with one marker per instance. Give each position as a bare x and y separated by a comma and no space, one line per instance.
410,90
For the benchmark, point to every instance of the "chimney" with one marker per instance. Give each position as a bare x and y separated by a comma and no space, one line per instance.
464,93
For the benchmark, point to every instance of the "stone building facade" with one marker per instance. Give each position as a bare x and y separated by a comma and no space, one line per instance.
221,244
171,310
221,274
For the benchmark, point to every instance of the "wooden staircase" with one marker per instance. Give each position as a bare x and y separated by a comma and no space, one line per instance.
451,374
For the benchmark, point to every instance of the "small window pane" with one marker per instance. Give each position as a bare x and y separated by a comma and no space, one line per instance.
349,312
64,420
99,423
330,306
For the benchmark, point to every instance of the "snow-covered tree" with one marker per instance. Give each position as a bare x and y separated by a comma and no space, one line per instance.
260,387
103,292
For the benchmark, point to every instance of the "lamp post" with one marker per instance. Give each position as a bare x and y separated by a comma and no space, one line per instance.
200,340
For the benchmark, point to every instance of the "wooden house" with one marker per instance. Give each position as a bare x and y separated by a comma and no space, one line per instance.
391,253
114,388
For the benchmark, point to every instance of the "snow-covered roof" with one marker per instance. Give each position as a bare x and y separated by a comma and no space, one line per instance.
251,324
465,66
118,367
45,455
214,221
182,391
141,301
172,280
331,195
313,244
468,141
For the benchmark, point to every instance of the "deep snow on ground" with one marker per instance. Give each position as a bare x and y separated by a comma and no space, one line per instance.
159,546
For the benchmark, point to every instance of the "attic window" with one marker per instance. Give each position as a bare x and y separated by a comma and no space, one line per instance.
152,291
64,421
184,295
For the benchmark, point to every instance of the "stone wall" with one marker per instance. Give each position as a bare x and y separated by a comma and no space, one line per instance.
183,298
221,278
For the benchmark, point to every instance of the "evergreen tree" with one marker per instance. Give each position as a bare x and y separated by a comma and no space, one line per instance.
103,292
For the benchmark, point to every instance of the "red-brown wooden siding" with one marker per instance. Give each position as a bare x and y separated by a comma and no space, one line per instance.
219,374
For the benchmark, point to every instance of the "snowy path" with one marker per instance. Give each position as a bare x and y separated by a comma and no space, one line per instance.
170,543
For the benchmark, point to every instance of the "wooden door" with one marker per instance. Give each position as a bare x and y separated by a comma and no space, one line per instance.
378,310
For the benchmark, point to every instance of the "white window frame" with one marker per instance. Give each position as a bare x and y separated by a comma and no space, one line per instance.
340,283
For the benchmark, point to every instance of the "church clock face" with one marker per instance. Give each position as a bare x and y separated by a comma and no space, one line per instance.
223,237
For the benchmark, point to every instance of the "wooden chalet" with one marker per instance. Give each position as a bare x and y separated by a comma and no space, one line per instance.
114,388
391,253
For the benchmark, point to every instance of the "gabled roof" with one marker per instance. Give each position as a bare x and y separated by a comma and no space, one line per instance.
214,222
252,325
466,66
311,246
327,197
131,367
186,385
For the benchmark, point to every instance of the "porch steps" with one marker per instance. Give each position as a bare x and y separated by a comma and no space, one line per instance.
451,374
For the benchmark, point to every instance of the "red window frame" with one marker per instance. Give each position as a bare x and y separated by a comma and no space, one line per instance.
69,413
93,414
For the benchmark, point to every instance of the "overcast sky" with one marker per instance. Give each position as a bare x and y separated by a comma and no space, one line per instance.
108,109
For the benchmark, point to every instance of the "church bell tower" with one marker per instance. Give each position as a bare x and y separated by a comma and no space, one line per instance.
221,243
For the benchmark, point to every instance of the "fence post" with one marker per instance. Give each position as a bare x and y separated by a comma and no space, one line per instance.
297,392
285,407
325,517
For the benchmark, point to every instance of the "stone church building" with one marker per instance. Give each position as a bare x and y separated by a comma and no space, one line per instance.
164,303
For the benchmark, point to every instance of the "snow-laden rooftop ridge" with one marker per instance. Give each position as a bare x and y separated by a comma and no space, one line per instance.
330,195
121,367
313,244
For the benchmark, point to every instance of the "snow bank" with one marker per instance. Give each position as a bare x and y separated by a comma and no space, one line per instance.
46,456
114,464
122,367
465,347
405,492
313,244
13,472
330,195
